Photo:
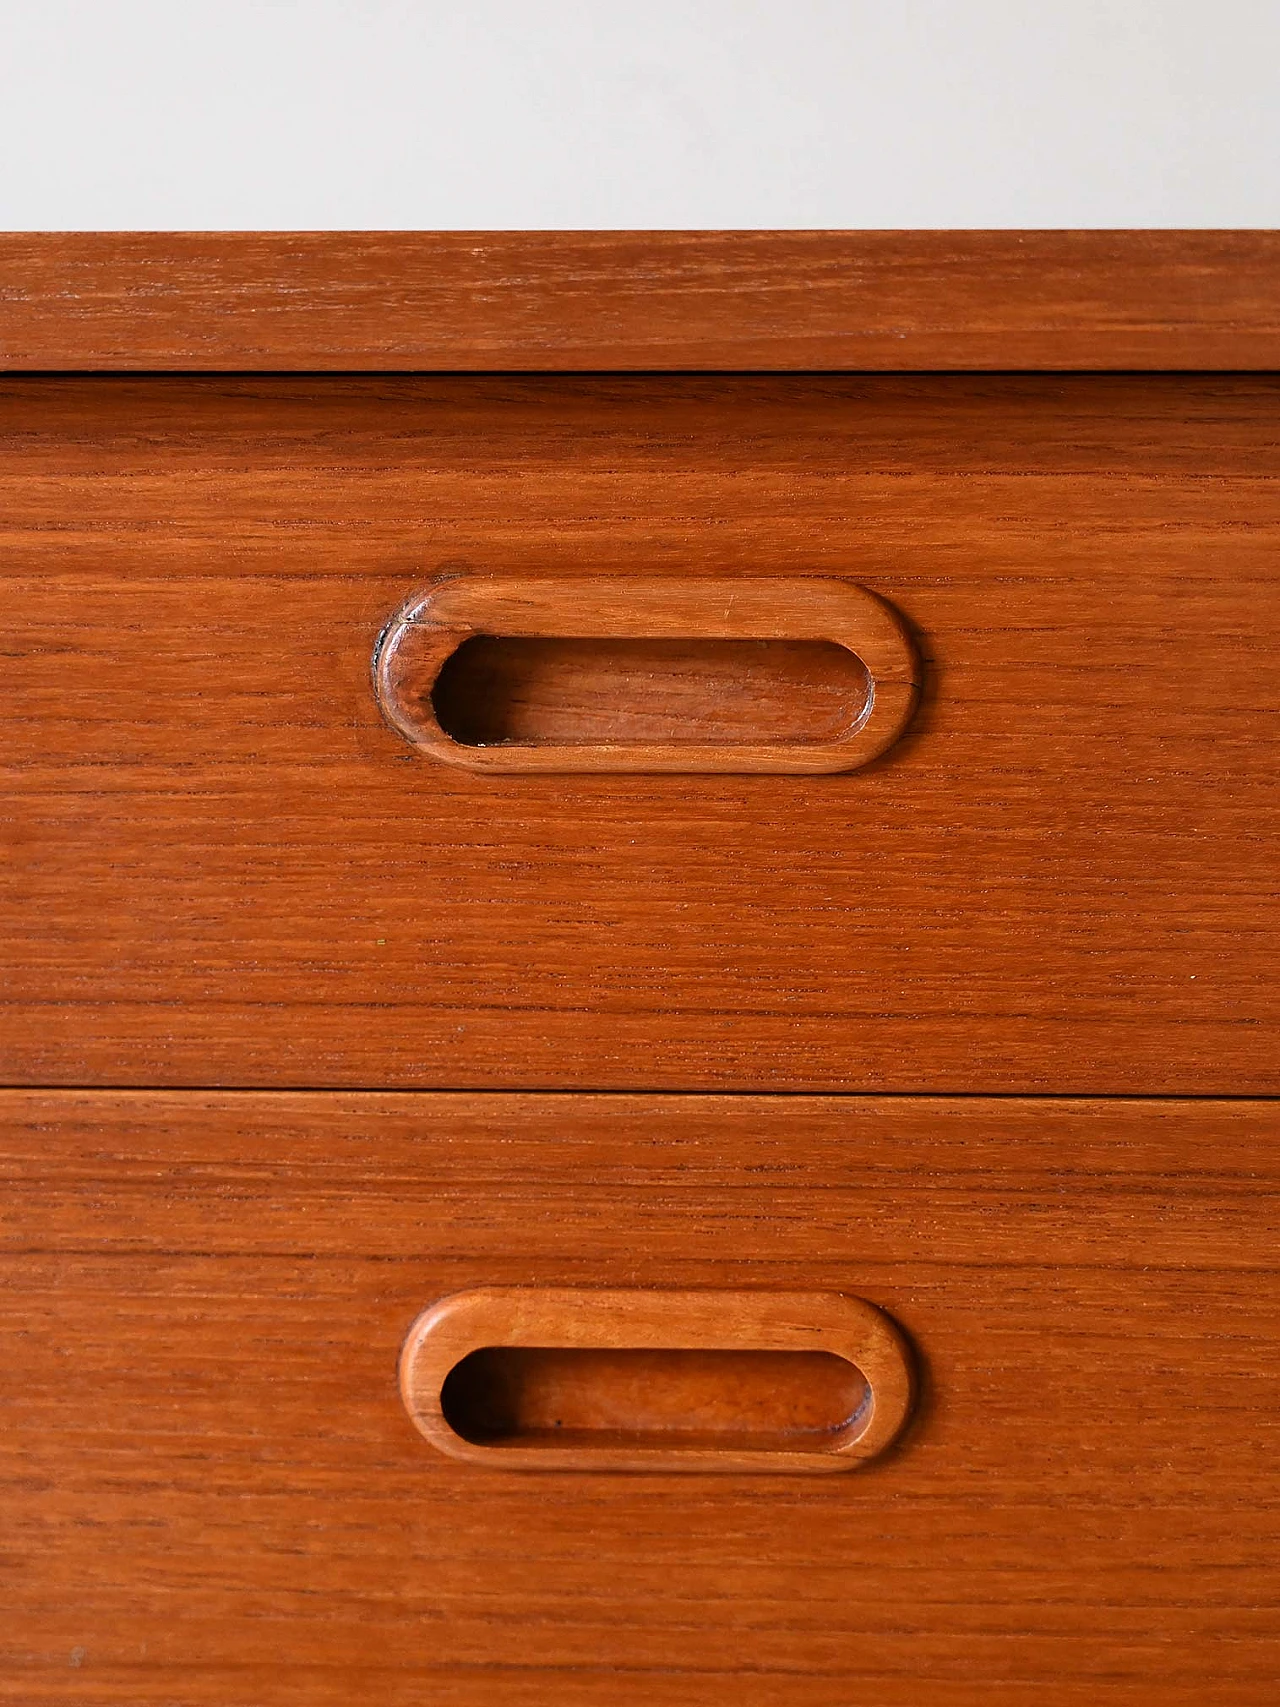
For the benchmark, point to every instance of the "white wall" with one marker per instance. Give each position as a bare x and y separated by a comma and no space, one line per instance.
163,114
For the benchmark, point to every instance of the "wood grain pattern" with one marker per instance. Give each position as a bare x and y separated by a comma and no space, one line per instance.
878,1388
686,300
221,867
211,1493
436,622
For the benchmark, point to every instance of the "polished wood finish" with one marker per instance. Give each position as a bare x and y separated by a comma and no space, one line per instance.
435,623
212,1493
220,864
686,300
718,1435
223,867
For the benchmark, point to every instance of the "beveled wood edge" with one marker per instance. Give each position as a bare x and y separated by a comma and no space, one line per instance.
433,622
636,1319
530,301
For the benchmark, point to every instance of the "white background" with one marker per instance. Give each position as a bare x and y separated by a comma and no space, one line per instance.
546,114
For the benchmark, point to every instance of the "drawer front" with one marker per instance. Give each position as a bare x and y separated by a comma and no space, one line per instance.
226,867
212,1493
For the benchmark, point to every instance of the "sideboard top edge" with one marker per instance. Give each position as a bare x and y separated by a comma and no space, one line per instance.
660,301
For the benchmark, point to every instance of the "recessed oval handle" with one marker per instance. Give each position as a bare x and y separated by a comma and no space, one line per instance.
644,633
575,1379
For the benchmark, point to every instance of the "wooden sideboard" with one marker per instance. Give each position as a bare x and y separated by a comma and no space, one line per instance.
636,866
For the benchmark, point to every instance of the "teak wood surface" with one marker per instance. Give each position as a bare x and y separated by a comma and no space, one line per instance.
212,1496
223,867
601,300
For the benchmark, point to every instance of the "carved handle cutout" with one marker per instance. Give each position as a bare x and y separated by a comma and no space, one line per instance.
548,1396
501,674
608,1380
551,692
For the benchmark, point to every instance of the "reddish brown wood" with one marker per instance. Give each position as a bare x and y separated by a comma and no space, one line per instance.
432,301
221,866
710,1419
210,1493
456,610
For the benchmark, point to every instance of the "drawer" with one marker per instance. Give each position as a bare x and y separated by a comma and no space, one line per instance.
226,867
211,1493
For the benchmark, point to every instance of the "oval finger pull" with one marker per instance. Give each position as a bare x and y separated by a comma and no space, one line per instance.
504,674
631,1380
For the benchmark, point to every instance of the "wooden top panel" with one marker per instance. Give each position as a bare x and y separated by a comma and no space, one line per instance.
676,300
